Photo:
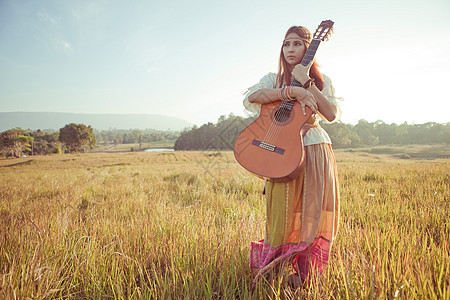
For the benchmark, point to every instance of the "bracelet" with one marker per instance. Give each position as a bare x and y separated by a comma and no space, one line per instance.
284,95
283,98
279,94
288,88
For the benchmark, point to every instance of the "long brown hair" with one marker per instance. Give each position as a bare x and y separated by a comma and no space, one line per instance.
284,77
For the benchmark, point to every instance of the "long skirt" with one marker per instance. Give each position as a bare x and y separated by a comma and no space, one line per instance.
302,217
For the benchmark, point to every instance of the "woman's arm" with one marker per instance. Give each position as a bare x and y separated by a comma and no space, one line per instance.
304,97
263,96
325,107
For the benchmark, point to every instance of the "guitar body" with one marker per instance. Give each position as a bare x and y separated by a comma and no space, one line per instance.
282,159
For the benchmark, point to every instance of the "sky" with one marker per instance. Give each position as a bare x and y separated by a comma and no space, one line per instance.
388,59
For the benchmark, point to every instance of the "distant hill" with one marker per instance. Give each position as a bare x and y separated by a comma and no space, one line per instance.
55,120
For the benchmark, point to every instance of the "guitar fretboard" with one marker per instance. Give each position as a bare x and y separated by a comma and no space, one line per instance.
307,58
310,52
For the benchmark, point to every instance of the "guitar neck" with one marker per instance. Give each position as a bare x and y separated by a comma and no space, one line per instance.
310,52
307,58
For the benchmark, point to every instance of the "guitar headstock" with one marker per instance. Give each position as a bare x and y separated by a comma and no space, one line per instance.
324,30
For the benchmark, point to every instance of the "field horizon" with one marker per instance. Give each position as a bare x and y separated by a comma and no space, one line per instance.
179,225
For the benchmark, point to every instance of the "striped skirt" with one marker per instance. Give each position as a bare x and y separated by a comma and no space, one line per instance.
302,217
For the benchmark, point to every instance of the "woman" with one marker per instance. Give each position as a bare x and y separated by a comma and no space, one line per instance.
302,214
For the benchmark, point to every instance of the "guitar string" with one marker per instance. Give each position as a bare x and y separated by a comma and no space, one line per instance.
268,132
284,110
275,128
272,128
280,115
283,115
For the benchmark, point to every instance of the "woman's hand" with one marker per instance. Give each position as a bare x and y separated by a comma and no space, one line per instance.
300,72
305,98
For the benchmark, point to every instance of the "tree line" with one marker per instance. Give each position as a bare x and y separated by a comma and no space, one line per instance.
133,136
79,137
223,134
72,138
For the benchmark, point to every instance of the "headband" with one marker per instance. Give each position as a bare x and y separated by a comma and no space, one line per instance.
303,39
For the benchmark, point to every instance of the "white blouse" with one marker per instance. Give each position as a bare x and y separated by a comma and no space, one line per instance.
316,135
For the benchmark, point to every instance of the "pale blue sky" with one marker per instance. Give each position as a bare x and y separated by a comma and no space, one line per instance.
388,59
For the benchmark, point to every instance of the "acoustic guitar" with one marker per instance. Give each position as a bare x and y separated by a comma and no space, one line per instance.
272,146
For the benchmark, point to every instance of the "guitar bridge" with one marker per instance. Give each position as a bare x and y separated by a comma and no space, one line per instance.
268,146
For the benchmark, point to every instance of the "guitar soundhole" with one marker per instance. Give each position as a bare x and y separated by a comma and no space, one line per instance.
282,114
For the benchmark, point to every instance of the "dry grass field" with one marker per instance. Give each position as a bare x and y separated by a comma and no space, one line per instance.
178,225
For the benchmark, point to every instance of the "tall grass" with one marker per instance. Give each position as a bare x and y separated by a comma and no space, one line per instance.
179,225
